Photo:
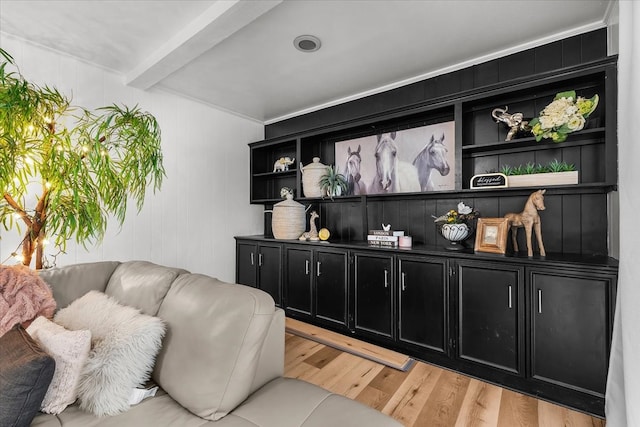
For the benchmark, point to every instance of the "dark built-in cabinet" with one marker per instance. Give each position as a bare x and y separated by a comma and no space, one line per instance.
260,266
315,285
490,315
541,325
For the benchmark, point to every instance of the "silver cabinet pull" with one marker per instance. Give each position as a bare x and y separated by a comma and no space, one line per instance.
318,263
539,300
403,279
510,298
386,278
253,261
306,267
260,260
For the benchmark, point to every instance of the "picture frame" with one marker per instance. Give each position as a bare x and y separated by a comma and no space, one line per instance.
413,160
491,235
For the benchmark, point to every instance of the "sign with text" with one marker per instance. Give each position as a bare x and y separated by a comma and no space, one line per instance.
489,180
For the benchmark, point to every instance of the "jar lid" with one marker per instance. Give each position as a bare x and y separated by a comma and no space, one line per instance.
315,164
289,203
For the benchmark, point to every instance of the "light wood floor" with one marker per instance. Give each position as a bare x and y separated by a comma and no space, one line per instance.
425,395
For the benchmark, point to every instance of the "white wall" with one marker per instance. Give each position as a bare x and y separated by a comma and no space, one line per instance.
204,200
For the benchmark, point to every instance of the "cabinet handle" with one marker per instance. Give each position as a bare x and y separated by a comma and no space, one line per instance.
403,277
253,261
260,260
386,278
510,298
539,300
306,267
318,268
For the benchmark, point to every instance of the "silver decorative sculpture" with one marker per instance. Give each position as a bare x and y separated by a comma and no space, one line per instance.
515,121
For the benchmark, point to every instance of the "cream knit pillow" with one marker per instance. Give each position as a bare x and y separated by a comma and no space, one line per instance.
70,350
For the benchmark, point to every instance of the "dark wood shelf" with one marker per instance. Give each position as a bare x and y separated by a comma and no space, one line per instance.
530,144
290,172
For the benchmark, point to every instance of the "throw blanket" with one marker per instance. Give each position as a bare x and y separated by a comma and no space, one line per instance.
23,297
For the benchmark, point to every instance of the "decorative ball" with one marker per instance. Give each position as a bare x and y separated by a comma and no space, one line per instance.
323,234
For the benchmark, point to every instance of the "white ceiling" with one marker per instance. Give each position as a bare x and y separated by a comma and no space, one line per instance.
239,55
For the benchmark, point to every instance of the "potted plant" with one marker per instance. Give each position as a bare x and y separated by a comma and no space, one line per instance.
333,183
531,174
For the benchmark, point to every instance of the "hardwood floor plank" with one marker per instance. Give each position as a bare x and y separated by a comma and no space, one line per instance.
302,371
445,401
517,410
481,405
356,380
323,357
407,402
297,349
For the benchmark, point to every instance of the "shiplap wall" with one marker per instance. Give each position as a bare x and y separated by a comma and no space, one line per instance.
204,200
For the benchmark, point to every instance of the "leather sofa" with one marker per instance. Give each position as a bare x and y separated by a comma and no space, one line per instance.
222,359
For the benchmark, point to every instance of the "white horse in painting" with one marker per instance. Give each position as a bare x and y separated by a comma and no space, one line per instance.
392,175
355,185
432,156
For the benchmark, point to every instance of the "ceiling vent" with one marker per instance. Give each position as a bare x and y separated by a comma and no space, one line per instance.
307,43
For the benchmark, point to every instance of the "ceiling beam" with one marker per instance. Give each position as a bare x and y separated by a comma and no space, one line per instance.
218,22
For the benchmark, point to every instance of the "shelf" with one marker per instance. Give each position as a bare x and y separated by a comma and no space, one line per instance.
530,144
290,172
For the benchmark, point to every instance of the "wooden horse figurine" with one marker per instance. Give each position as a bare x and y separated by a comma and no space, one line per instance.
529,220
312,234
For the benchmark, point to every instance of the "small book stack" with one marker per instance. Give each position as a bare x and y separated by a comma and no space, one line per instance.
384,238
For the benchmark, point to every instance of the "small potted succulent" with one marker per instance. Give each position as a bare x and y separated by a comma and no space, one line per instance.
333,183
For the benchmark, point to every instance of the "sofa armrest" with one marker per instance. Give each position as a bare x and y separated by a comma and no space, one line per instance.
271,363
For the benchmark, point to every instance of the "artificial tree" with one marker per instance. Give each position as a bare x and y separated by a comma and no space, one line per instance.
65,170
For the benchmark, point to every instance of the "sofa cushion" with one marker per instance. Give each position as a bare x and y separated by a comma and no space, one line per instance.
70,350
288,402
124,345
25,374
215,335
141,284
71,282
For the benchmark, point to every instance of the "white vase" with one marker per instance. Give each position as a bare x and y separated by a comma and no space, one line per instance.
454,232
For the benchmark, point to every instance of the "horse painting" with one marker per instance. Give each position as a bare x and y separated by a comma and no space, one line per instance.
432,156
392,175
355,185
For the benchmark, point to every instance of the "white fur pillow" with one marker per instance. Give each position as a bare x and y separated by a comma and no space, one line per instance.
70,350
125,343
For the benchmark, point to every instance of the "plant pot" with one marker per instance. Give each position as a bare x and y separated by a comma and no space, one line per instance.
543,179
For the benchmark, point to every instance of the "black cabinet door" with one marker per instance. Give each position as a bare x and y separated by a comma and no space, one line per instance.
571,329
423,284
373,294
490,329
331,286
298,280
246,264
269,267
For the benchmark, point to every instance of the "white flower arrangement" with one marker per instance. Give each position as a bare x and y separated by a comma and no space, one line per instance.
567,113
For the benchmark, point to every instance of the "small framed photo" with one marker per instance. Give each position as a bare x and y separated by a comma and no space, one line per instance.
491,235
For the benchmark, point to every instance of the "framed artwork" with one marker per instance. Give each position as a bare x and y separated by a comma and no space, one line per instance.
410,160
491,235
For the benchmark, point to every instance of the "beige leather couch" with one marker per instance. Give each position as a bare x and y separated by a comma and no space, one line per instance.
222,358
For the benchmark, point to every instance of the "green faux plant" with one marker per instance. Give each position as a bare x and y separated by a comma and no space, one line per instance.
532,168
333,183
64,170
